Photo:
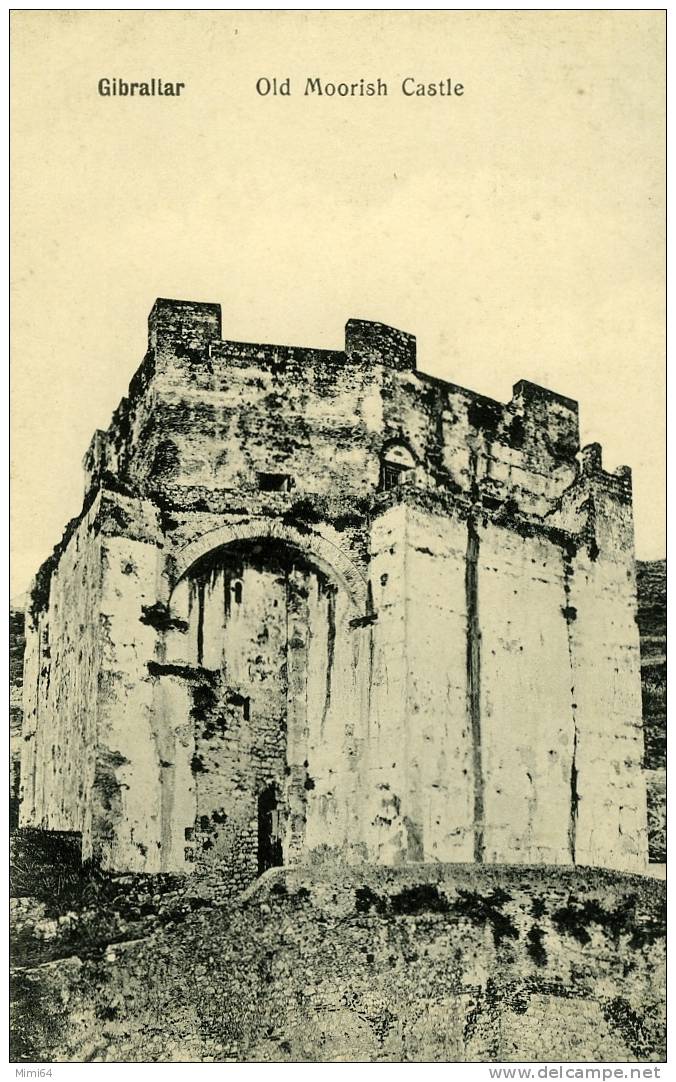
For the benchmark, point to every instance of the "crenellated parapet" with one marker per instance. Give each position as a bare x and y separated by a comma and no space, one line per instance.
208,413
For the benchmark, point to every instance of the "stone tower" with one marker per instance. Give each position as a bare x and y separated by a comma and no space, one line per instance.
320,605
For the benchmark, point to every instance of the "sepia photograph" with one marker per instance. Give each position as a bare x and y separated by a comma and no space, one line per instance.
338,560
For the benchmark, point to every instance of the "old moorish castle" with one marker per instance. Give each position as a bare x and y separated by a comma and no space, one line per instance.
319,605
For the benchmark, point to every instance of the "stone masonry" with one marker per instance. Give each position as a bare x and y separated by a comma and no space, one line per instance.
320,606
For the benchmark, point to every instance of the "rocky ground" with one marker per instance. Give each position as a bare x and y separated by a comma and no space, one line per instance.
420,963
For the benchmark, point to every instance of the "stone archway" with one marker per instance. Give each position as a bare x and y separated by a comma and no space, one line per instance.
263,615
328,557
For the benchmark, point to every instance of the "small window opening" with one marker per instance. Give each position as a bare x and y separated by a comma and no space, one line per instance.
269,830
238,593
391,476
274,482
396,461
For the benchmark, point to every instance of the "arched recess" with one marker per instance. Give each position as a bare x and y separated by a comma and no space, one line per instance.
399,449
327,556
271,685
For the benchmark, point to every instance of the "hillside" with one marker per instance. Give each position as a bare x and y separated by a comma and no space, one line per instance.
652,622
421,963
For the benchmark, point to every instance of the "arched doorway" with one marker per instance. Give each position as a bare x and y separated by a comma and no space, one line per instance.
267,634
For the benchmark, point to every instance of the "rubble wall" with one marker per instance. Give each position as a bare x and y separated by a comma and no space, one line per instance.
421,963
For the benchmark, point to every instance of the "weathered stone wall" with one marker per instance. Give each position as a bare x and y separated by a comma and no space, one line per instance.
610,808
133,738
446,669
85,762
528,727
526,717
428,963
61,688
440,743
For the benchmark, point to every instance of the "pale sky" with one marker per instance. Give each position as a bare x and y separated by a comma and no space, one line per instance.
518,230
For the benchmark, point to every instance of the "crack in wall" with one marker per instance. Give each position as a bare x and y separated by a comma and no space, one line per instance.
474,680
570,615
330,650
200,622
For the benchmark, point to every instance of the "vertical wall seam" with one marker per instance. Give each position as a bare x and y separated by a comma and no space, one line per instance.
474,680
408,714
200,621
570,614
286,782
330,651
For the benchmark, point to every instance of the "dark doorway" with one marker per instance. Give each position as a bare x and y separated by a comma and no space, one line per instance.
269,830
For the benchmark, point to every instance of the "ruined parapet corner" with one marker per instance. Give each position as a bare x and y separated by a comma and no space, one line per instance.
376,343
617,481
551,412
591,459
187,324
533,392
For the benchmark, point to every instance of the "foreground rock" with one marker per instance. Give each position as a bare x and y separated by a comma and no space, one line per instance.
427,963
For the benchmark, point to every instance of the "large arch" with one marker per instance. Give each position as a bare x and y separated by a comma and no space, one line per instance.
328,557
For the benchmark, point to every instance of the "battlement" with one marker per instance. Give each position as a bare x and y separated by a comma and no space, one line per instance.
377,343
193,330
215,415
194,325
526,391
187,323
